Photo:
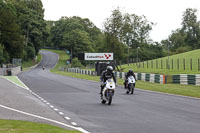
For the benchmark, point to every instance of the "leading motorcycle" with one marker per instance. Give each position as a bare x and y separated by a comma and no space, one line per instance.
108,91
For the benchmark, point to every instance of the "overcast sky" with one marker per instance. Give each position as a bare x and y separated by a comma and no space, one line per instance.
167,14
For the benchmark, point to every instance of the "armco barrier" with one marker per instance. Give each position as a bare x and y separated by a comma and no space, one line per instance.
153,78
198,79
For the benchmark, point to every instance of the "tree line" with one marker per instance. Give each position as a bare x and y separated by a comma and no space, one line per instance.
22,29
185,38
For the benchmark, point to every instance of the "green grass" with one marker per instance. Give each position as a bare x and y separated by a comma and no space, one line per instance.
15,80
160,65
30,63
13,126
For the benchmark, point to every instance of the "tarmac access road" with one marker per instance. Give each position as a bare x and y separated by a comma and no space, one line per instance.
17,103
143,112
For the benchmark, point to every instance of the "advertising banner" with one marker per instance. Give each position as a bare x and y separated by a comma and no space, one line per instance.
98,56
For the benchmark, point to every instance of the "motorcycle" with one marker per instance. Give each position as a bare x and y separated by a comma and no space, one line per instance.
131,85
108,91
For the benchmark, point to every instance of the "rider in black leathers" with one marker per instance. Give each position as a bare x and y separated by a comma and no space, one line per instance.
106,75
129,73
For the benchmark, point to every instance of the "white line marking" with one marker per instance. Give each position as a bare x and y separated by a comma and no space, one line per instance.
73,123
56,109
22,83
196,98
51,106
43,118
67,118
48,103
61,113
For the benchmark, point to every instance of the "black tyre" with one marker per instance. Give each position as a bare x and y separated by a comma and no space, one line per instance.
103,101
132,88
110,99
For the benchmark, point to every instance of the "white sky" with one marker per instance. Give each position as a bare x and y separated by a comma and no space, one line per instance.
167,14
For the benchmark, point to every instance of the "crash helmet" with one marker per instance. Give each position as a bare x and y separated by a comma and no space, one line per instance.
109,69
130,71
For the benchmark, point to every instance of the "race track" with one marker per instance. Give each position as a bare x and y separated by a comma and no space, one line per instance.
143,112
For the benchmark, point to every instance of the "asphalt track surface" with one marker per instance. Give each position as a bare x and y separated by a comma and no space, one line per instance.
143,112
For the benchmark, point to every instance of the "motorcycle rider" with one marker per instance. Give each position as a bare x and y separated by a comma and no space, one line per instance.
108,73
129,73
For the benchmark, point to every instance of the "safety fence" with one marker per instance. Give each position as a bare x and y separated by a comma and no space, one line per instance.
184,79
154,78
81,71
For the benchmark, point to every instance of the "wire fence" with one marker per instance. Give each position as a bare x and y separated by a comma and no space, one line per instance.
191,64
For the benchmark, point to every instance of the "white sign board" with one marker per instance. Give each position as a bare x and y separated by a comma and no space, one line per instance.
98,56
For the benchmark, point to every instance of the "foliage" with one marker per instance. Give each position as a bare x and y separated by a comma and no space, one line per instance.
22,28
187,37
75,34
76,63
10,33
126,32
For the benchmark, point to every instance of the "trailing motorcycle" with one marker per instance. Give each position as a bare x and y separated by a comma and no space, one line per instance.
108,91
131,85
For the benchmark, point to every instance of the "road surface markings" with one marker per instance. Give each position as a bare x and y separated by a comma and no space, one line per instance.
47,119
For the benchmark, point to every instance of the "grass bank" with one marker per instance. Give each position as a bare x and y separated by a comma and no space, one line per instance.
13,126
184,63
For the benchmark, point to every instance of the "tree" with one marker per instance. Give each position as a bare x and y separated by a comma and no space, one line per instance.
10,33
76,34
191,27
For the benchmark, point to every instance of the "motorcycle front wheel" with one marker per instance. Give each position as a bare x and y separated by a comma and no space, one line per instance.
109,99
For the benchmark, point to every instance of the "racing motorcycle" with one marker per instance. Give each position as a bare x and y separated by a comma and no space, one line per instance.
108,91
131,85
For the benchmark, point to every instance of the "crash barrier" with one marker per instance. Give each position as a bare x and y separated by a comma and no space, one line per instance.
153,78
10,71
185,79
81,71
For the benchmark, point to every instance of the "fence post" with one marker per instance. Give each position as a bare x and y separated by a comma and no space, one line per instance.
152,64
161,64
156,64
147,65
184,64
191,64
143,64
178,64
167,63
198,64
172,64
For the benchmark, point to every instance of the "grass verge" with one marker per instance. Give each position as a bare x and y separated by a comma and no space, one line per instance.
14,126
27,64
15,80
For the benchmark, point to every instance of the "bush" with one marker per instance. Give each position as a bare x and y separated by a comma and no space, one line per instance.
183,49
76,63
30,51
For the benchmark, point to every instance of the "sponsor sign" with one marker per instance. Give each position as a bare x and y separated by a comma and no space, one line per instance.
98,56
